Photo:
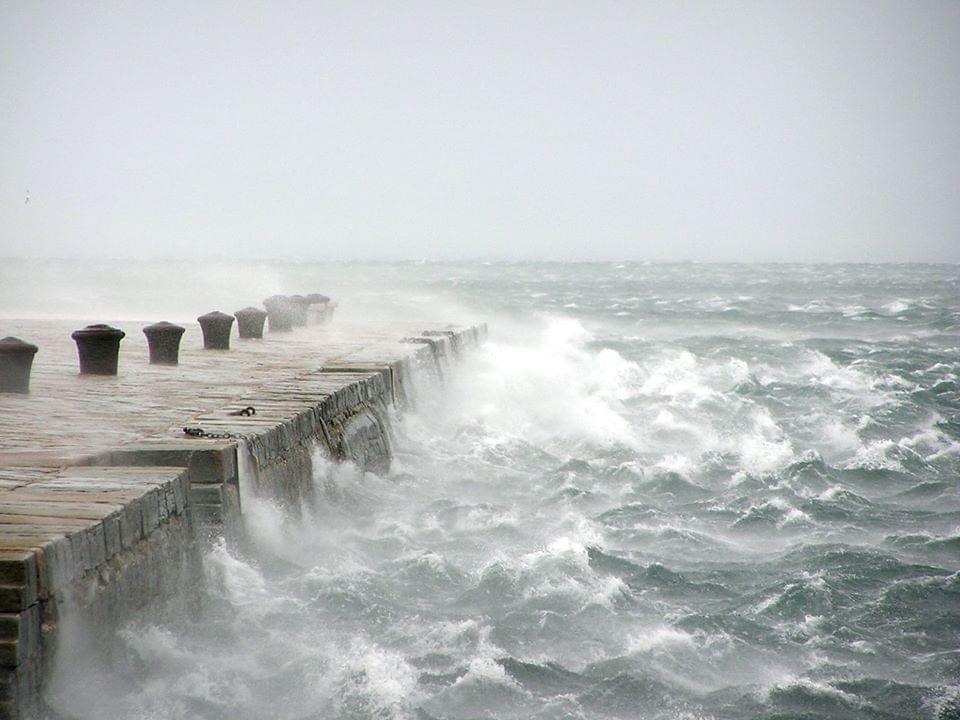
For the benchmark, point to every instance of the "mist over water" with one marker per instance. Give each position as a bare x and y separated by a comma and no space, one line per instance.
667,491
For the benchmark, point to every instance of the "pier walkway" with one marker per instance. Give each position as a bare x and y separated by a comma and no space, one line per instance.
101,491
68,418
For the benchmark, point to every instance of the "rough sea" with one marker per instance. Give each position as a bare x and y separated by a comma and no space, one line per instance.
658,491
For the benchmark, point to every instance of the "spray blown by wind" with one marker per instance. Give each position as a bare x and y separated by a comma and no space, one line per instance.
658,491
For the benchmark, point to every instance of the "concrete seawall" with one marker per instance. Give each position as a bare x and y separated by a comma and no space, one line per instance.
105,501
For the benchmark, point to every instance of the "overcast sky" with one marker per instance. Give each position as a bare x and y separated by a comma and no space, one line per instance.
568,130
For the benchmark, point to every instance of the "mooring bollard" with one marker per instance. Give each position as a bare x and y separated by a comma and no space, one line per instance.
16,361
299,305
163,338
317,304
98,347
327,312
216,330
279,313
250,322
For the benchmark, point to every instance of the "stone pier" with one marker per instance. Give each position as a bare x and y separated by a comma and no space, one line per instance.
105,500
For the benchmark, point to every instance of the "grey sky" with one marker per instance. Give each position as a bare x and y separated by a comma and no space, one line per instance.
570,130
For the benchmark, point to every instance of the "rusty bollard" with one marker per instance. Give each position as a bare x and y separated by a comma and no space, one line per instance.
216,330
299,305
250,322
98,347
16,361
164,341
279,313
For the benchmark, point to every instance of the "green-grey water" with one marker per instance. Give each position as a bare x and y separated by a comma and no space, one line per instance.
658,491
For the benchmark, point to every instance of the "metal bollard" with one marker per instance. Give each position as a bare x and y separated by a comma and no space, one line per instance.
279,313
16,361
98,347
164,341
317,307
250,322
216,330
327,313
299,305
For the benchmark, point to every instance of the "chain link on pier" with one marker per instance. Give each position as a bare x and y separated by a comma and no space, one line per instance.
246,412
201,433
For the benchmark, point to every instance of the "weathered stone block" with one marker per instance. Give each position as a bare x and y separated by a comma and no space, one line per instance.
209,514
150,512
209,461
19,568
19,636
181,489
80,551
170,499
131,524
163,512
206,495
112,535
14,598
19,690
96,545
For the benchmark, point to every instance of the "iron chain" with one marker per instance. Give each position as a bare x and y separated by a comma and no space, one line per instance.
246,412
201,433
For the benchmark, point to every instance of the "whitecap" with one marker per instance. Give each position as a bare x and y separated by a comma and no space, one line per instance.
656,638
897,306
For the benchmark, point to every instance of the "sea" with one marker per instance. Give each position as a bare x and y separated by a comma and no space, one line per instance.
664,491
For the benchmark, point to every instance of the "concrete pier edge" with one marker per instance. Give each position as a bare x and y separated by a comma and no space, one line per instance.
102,533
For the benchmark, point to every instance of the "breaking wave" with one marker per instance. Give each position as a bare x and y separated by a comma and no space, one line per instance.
656,492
